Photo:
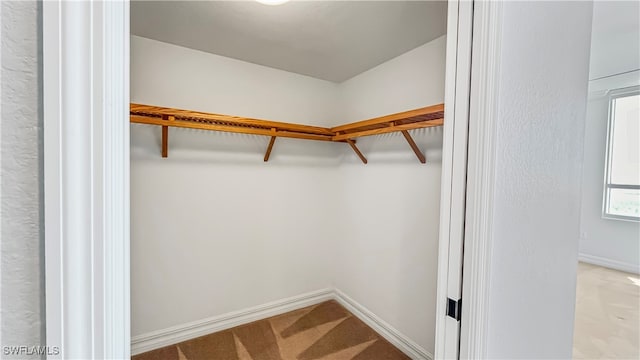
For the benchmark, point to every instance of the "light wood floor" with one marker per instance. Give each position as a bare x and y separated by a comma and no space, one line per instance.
607,324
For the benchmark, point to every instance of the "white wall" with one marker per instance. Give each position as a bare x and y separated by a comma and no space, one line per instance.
22,256
174,76
216,228
412,80
605,242
389,244
540,130
615,41
615,49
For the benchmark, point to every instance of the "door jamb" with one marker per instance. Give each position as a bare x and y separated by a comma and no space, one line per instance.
454,165
106,175
483,110
485,73
86,178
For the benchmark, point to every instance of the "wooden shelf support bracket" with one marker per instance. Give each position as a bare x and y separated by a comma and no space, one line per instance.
165,139
414,146
165,136
268,153
356,150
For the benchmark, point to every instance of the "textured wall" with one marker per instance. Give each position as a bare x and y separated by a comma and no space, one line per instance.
539,146
22,297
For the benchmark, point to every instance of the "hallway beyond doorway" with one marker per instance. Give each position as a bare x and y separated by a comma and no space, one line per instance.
607,324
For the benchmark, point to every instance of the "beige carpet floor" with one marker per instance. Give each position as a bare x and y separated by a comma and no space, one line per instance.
326,331
607,324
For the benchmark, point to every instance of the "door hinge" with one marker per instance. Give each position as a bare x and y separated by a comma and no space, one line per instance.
454,308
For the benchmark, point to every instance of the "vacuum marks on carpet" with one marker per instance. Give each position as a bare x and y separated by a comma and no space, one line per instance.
326,331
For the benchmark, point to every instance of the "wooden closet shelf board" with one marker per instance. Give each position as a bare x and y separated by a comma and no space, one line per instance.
204,125
401,122
406,117
389,129
187,115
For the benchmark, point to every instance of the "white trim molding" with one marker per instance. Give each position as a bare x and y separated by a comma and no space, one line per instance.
395,337
183,332
1,165
454,168
86,177
609,263
175,334
480,178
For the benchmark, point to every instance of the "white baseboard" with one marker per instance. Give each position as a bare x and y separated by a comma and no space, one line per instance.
175,334
406,345
179,333
608,263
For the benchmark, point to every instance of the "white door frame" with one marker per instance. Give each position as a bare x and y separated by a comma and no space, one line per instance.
86,134
86,178
454,168
485,72
466,212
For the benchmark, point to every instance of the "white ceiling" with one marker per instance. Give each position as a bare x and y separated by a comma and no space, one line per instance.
330,40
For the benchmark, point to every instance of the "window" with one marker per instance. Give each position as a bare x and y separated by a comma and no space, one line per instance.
622,174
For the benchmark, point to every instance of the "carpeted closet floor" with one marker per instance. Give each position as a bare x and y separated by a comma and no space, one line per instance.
326,331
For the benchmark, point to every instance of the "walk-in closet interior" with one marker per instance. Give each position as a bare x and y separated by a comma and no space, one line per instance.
285,178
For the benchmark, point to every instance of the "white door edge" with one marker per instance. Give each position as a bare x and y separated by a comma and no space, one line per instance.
454,168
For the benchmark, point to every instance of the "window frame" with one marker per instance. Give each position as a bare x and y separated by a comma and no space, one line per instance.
608,185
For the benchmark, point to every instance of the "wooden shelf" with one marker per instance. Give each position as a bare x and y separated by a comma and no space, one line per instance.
400,122
408,120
